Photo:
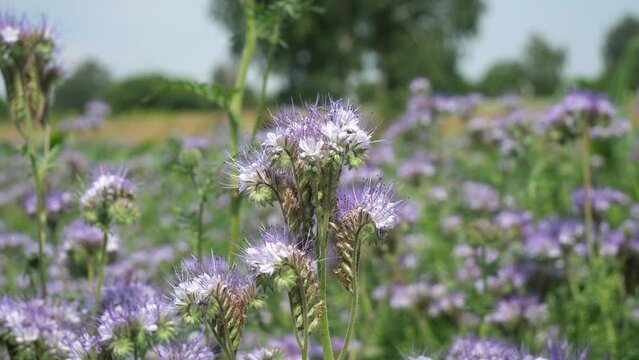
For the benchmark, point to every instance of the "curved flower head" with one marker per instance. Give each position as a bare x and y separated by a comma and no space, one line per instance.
276,261
272,252
376,201
255,176
210,292
110,198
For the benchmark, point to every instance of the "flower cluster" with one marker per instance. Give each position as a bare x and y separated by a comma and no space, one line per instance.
195,347
275,261
55,203
566,120
109,199
35,328
79,235
29,68
211,292
130,326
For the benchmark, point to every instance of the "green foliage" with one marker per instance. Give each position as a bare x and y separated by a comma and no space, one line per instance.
152,91
89,81
326,51
543,65
618,39
625,76
503,77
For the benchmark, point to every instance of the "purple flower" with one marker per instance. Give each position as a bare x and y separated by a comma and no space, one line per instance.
602,199
137,318
550,235
480,197
509,219
110,197
36,323
416,167
79,234
195,347
589,105
376,201
471,348
268,255
56,203
451,223
419,85
517,310
616,129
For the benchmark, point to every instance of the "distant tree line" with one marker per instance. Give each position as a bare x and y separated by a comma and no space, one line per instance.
369,51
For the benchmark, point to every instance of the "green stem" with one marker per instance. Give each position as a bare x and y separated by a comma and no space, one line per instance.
294,321
587,178
200,229
41,222
265,74
322,237
98,287
235,114
354,299
90,269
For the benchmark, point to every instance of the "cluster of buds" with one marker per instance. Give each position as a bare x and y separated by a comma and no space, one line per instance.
277,263
29,69
210,292
109,199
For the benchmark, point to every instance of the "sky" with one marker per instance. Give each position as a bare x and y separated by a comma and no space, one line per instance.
179,38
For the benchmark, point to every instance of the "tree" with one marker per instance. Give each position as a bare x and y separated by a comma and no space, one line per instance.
618,39
503,77
543,65
152,91
325,51
89,81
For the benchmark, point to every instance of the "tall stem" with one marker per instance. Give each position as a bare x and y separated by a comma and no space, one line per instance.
322,237
235,112
41,222
587,192
90,269
200,229
98,287
595,264
265,74
354,304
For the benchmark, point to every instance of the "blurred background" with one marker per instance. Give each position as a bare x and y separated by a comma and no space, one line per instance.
121,51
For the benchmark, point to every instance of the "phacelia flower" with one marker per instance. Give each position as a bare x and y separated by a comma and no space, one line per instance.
135,321
471,348
55,203
210,292
195,347
602,200
480,197
109,199
36,326
276,261
517,310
